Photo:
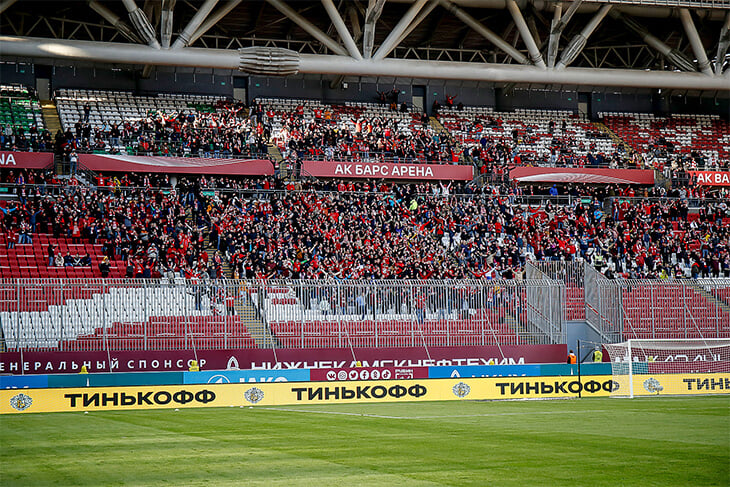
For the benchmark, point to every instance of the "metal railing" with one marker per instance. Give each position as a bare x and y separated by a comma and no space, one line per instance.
571,274
692,202
639,308
102,315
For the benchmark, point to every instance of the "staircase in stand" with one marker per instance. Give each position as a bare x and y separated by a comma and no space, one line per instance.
50,116
615,138
253,320
242,304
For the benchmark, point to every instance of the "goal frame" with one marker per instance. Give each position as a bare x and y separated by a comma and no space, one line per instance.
630,344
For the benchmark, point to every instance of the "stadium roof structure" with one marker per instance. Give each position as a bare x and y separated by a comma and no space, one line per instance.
673,44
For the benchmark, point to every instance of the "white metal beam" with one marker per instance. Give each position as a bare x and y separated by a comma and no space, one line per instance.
342,29
555,33
578,42
308,27
135,54
113,19
673,55
166,17
556,28
723,45
488,34
391,41
141,23
372,14
525,33
5,4
184,38
213,19
649,9
694,40
421,17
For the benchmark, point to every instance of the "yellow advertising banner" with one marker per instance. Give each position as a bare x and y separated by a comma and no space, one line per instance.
290,393
677,384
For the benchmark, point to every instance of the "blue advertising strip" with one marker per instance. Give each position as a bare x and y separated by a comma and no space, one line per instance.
23,381
232,376
279,375
484,371
116,379
564,370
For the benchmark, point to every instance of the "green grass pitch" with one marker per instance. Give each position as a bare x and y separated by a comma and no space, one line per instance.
588,442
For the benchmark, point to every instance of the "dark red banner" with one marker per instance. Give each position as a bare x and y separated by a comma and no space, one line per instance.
312,358
382,170
176,165
711,178
582,175
368,373
25,160
676,367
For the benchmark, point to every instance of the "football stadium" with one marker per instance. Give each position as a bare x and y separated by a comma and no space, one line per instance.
367,242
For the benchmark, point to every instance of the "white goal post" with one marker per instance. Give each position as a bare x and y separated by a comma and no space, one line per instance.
648,367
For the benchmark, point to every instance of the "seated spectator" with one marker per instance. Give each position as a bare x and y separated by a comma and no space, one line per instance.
104,267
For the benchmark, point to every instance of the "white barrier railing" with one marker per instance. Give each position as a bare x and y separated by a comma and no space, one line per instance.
159,314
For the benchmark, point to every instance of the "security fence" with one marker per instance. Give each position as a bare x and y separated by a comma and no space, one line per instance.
572,274
639,308
97,315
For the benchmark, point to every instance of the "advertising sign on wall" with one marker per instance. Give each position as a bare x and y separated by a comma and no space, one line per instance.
584,175
290,393
234,376
484,371
369,373
322,358
25,160
381,170
711,178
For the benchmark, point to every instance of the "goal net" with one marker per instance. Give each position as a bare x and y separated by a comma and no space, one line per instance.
646,367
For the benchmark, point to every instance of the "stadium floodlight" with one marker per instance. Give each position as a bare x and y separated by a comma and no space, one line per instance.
643,367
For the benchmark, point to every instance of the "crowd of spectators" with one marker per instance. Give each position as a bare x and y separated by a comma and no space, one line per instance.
17,138
433,231
344,134
373,229
340,132
152,232
220,131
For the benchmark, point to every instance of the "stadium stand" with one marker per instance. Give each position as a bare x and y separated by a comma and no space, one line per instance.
353,131
21,121
681,140
216,226
167,124
536,137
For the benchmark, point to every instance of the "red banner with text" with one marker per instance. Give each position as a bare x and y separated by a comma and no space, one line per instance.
336,359
711,178
382,170
25,160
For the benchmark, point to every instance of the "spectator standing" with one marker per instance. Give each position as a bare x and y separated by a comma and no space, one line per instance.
572,359
51,255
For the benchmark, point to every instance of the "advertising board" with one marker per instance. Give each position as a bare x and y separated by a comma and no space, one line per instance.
53,362
378,170
286,393
370,373
234,376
